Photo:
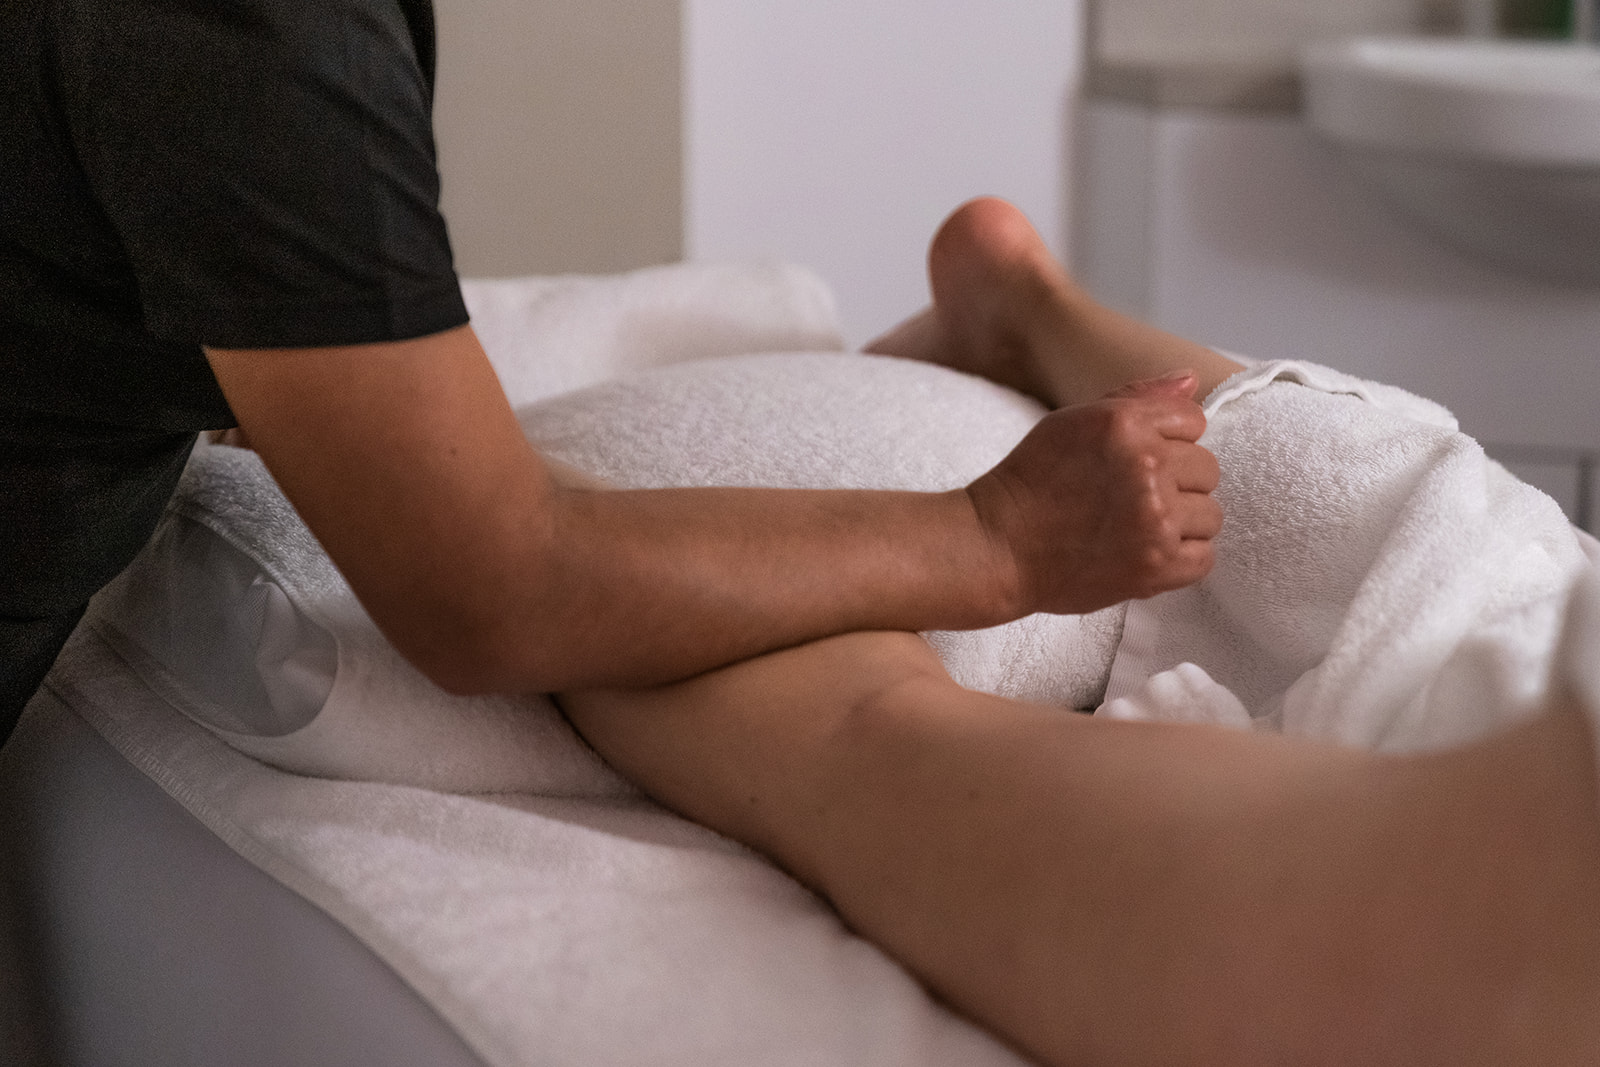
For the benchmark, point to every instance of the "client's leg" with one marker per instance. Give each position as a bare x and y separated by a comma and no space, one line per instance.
1003,308
1131,893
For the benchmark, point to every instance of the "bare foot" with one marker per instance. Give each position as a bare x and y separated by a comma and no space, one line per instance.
1005,310
996,288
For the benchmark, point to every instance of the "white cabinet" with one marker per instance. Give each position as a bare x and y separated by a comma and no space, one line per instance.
1238,229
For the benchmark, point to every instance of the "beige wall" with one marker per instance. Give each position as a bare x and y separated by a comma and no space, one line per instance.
559,133
1245,30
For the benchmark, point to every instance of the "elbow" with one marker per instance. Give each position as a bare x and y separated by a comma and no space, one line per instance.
477,632
446,661
467,659
459,673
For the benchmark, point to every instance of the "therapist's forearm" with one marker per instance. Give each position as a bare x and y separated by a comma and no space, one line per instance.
492,569
559,586
640,587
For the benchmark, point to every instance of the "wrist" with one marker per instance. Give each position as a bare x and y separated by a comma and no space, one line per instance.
1001,591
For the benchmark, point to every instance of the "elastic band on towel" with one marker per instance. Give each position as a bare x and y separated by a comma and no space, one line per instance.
1258,376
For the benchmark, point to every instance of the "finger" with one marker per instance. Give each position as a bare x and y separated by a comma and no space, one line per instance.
1180,420
1195,560
1190,562
1178,383
1174,417
1193,469
1185,563
1198,517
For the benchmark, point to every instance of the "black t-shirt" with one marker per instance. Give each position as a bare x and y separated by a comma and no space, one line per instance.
178,173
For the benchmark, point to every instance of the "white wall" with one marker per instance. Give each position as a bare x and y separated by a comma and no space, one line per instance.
558,131
838,133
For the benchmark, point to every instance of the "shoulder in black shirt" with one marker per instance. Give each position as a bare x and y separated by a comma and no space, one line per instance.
179,173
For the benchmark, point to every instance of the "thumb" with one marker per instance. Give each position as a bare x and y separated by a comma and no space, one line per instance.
1178,383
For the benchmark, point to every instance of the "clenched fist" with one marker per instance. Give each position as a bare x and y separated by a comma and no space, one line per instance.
1106,501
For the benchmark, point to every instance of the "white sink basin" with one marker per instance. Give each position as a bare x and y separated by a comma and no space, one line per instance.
1494,145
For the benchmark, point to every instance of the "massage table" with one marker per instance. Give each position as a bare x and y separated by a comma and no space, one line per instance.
239,829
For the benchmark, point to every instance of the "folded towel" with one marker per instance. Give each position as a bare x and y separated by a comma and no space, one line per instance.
1379,581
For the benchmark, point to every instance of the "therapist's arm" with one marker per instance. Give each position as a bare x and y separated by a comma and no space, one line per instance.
491,574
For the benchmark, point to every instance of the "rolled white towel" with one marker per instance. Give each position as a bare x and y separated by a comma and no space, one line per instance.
1185,694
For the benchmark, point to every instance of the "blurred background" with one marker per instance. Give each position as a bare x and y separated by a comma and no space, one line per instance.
1158,144
599,135
595,135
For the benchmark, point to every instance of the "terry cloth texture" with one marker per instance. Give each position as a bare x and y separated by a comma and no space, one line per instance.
1379,581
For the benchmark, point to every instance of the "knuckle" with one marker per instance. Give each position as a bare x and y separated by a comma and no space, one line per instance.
1154,559
1111,424
1123,422
1139,468
1152,515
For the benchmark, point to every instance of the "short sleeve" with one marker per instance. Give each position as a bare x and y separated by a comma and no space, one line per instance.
268,166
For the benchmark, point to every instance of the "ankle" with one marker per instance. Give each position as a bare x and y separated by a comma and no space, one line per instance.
1059,334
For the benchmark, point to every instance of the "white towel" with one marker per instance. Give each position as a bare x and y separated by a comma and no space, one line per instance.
549,912
550,335
1577,667
1379,581
553,915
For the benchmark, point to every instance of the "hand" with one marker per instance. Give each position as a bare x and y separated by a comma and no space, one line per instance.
1106,501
